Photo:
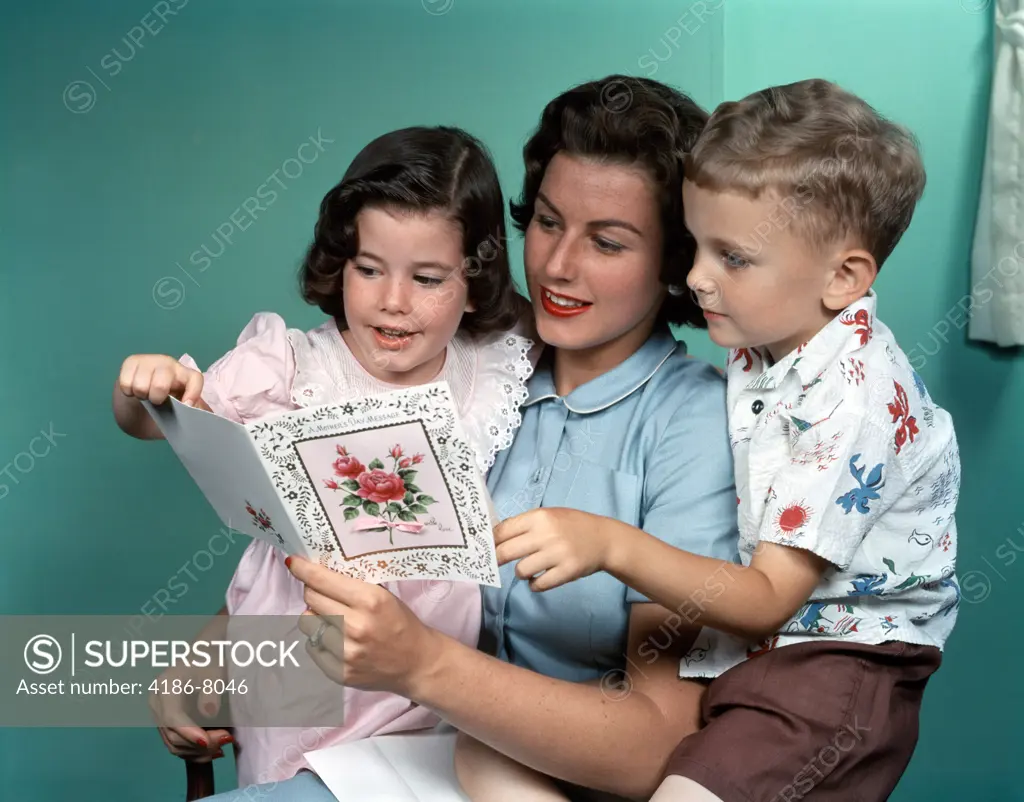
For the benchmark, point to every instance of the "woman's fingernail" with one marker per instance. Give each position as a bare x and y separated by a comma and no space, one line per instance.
226,739
202,743
288,562
219,753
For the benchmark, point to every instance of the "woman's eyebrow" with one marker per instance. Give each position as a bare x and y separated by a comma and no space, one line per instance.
613,223
610,222
547,202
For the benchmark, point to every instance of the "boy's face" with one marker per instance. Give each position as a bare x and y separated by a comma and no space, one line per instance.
757,281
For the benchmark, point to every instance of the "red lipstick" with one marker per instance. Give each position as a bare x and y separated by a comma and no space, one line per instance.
557,310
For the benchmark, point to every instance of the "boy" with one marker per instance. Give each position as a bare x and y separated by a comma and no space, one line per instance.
818,647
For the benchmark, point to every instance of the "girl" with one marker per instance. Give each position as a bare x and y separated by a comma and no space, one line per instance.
408,260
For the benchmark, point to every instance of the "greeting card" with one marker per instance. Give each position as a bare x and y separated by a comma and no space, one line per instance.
381,488
413,767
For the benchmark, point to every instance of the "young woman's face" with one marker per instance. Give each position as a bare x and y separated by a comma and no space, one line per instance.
404,293
593,257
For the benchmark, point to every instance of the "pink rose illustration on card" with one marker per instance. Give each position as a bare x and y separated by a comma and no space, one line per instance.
380,497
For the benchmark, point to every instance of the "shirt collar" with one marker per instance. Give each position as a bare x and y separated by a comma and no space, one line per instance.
609,388
848,331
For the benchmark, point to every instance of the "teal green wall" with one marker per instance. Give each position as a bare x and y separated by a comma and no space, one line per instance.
97,207
926,64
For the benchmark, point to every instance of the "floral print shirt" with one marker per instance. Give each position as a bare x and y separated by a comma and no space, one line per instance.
840,450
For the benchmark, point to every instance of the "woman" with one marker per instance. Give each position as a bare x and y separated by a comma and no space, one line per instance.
583,686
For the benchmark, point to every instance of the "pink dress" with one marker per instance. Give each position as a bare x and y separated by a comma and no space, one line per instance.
274,369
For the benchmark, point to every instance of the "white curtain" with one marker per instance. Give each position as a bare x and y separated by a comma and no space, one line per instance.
997,259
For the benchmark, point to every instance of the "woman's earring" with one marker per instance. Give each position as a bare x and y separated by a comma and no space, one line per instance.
675,289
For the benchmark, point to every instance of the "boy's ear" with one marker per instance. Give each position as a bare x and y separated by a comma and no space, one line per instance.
851,279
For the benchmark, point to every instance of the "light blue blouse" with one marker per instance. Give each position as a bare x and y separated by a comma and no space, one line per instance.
646,443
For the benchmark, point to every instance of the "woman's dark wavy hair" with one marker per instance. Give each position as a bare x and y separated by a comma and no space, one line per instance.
420,169
631,121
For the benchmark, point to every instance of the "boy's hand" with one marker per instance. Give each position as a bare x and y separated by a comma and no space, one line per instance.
564,544
154,377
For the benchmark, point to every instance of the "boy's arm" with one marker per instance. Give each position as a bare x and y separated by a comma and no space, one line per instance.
749,602
840,477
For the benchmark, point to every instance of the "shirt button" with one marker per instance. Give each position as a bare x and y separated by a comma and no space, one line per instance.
757,406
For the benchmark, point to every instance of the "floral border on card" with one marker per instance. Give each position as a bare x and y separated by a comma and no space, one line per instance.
431,406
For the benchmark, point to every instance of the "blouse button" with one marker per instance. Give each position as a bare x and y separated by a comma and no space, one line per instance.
757,406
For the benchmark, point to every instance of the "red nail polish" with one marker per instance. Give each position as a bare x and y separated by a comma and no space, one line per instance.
226,739
287,562
202,743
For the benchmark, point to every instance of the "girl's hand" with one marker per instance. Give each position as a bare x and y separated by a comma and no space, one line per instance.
564,544
154,377
385,647
180,734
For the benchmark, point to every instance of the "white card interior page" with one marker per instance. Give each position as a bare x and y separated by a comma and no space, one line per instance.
391,768
222,460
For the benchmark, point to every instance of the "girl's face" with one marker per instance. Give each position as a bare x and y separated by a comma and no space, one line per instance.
404,293
593,258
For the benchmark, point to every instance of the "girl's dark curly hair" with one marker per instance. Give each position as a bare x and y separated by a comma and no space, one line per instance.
420,169
630,121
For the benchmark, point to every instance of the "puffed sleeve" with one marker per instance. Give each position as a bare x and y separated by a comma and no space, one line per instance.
253,379
689,487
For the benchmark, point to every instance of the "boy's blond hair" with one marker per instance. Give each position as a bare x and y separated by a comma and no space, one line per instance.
850,171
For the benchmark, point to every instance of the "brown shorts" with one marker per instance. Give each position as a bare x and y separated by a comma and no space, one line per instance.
826,722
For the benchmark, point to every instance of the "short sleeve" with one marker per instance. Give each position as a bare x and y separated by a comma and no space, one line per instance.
690,492
253,379
839,479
